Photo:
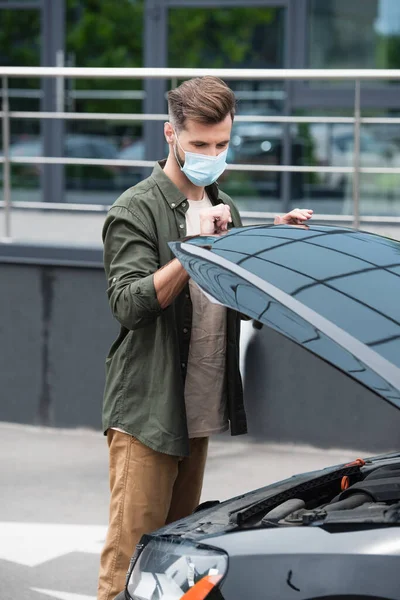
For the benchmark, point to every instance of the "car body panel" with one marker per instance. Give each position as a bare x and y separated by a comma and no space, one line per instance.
303,563
332,290
310,540
313,564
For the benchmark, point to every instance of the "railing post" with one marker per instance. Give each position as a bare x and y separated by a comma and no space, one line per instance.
52,130
6,164
356,157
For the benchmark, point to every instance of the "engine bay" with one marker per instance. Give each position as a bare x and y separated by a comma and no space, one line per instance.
368,497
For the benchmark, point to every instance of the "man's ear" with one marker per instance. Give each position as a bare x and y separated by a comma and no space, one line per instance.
169,133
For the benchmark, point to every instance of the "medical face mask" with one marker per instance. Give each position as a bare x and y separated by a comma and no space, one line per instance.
201,169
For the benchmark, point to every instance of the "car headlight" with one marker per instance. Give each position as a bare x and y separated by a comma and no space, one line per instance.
170,569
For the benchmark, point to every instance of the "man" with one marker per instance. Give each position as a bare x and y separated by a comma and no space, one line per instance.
173,373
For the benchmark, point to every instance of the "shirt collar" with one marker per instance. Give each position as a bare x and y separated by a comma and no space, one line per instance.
171,193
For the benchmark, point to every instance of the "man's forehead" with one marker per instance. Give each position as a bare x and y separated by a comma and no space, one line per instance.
194,128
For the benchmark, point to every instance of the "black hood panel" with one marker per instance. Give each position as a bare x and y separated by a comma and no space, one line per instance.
334,291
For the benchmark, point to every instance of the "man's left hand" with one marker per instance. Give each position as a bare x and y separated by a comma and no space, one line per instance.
298,216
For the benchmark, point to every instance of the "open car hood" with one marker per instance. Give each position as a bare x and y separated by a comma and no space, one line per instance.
332,290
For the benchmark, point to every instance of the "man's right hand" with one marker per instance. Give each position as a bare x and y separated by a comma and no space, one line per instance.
215,219
170,280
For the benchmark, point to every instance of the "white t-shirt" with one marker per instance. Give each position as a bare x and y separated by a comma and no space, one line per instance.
205,386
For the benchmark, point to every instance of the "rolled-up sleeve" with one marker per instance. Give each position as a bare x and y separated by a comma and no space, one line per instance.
130,261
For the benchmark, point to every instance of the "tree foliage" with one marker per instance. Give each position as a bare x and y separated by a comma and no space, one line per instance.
109,33
222,37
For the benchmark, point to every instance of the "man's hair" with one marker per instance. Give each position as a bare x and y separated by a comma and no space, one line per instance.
206,100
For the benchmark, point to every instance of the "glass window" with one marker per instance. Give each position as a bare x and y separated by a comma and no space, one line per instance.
24,94
118,43
226,38
332,145
357,34
18,50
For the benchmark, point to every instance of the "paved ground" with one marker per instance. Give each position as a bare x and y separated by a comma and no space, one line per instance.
54,495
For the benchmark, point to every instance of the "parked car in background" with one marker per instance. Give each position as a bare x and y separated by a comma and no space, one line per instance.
373,153
334,147
129,176
134,151
77,176
331,534
262,143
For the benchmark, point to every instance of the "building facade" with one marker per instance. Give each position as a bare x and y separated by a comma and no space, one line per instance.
297,34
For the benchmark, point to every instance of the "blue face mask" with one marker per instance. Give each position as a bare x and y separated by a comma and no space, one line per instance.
201,169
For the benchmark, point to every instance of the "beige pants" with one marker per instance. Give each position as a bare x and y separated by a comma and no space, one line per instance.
148,491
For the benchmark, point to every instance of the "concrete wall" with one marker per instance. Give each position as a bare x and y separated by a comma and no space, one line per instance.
56,328
55,331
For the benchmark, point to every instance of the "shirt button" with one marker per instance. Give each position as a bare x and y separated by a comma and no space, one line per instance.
181,226
185,330
187,296
173,204
183,204
183,365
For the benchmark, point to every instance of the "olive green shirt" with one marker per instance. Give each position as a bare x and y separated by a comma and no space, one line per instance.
146,365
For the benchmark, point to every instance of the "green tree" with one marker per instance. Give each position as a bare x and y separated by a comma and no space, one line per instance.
19,37
388,52
221,37
105,33
20,43
99,33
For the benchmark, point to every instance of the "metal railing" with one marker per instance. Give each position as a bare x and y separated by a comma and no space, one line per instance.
62,73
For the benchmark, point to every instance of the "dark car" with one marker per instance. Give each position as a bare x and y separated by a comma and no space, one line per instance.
89,177
260,143
329,534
